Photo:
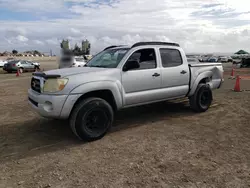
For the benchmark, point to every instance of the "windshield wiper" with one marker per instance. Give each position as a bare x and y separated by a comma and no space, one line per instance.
100,66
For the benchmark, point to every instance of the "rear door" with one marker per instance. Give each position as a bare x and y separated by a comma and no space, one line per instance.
175,72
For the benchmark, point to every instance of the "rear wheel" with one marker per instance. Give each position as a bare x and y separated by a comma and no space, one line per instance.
91,119
202,99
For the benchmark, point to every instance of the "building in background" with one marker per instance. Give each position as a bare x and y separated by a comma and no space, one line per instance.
86,47
65,44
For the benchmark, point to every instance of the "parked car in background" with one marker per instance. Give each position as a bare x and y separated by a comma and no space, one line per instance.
245,62
2,62
230,59
224,59
35,63
212,59
21,65
193,60
72,61
120,77
237,61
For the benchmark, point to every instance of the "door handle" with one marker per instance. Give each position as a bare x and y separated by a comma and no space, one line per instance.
183,72
156,75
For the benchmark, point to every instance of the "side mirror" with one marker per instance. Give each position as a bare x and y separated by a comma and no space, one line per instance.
131,65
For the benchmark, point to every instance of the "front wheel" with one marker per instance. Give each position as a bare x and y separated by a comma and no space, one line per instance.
202,99
91,119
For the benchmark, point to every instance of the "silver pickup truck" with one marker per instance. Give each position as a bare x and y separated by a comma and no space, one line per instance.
121,77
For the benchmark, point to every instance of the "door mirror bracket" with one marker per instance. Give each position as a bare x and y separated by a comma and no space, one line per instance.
132,64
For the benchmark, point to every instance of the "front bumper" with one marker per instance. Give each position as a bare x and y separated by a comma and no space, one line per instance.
49,106
52,106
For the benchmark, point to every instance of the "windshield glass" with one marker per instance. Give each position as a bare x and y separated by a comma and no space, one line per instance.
108,59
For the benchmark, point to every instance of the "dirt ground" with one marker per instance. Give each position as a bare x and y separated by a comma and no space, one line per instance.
160,145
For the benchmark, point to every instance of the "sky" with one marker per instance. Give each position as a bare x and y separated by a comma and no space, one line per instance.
199,26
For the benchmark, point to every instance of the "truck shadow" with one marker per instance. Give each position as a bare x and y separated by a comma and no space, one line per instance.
40,136
151,113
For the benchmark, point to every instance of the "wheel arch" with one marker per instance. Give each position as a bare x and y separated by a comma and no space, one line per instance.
104,94
204,78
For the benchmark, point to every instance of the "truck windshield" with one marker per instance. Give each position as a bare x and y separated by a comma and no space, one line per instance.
108,59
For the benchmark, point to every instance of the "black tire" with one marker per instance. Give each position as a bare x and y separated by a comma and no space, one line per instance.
202,98
91,128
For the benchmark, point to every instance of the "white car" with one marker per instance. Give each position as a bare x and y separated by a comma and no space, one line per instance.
223,59
36,63
2,62
71,61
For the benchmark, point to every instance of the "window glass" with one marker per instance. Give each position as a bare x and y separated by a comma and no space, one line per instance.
170,57
109,58
145,57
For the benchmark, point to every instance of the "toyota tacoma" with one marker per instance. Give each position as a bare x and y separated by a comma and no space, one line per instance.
121,77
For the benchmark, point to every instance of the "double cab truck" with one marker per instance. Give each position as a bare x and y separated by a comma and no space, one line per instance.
122,77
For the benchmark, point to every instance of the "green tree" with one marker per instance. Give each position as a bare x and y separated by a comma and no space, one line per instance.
14,52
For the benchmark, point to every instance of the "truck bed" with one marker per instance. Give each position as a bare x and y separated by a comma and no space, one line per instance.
212,71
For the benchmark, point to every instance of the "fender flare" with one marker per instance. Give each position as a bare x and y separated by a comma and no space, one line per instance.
200,77
114,87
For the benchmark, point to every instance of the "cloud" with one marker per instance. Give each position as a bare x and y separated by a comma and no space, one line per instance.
33,6
198,25
22,38
38,42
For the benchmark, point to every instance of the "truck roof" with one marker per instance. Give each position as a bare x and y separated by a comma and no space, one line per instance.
143,44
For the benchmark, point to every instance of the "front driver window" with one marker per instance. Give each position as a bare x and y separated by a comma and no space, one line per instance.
145,57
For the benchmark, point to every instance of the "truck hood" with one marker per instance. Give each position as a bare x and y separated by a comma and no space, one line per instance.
74,71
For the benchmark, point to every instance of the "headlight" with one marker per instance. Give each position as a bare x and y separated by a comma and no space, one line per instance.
54,85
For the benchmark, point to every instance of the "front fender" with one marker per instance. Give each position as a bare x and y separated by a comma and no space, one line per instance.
114,87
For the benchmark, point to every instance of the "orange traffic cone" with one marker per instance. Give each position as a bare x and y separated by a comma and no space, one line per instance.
17,73
237,84
232,72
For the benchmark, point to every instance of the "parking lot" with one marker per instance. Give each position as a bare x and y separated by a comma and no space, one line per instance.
159,145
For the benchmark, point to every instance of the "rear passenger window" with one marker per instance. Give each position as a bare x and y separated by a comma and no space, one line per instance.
170,57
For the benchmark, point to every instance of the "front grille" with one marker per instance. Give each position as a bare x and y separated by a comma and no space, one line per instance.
35,85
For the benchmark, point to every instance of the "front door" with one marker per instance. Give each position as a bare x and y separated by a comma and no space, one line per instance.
141,84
